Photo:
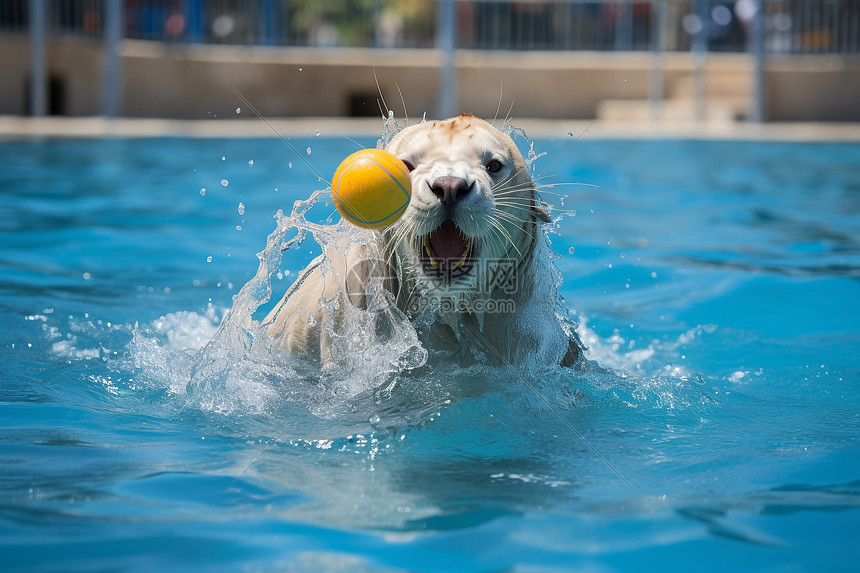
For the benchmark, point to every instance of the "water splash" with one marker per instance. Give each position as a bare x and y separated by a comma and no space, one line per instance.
531,156
390,128
163,351
242,365
377,374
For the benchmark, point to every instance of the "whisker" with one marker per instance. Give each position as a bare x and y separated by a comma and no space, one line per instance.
538,181
514,220
543,186
512,210
508,116
587,129
513,213
403,101
511,181
498,107
510,191
382,97
396,238
502,187
498,225
282,138
515,204
360,146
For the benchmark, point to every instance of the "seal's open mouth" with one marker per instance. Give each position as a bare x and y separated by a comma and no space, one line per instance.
446,253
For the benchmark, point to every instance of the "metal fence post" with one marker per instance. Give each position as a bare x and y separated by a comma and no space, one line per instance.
194,21
624,27
757,107
660,13
112,72
700,58
268,23
38,77
446,30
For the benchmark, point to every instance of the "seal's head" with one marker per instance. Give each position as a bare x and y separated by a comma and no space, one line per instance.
473,208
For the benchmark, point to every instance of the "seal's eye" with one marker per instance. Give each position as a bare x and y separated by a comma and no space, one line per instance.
494,166
409,167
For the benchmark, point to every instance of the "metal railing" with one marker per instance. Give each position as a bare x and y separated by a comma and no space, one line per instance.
698,26
791,26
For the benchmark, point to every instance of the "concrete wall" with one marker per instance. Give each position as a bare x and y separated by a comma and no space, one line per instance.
191,82
814,89
75,67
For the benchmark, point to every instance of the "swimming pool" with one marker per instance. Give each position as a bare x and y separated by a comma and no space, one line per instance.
720,281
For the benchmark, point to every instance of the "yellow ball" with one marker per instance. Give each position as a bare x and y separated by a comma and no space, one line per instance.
371,188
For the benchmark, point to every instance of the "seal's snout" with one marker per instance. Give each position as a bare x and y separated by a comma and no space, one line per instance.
450,190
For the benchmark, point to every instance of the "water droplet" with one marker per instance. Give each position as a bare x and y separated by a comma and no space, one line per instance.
623,255
570,133
238,110
251,163
317,133
309,150
238,227
300,69
291,164
209,259
224,183
223,158
242,209
203,190
87,276
653,275
571,250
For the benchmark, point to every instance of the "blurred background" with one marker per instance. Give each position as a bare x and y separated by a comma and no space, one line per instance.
673,60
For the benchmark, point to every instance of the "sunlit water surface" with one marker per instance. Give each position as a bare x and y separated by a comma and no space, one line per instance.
716,281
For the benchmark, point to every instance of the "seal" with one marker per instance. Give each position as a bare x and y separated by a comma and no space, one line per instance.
466,263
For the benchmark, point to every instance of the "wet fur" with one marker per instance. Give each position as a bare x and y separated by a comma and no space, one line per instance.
498,218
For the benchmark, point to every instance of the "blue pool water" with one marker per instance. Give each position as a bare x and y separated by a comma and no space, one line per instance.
718,281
